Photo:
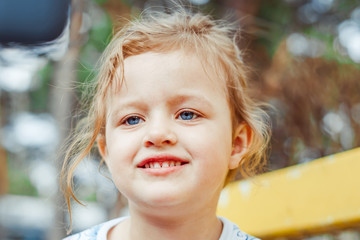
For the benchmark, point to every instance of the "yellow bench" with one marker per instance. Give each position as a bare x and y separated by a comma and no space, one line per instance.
314,197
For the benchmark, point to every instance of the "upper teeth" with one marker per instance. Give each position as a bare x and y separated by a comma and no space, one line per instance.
162,164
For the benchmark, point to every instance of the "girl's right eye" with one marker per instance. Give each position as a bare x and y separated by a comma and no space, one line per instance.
187,115
133,120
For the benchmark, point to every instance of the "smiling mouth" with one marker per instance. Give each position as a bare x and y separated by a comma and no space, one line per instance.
161,162
165,164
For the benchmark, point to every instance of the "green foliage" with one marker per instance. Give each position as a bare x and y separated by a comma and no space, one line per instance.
346,6
127,2
91,197
328,40
20,183
39,97
99,37
100,34
276,12
86,69
277,19
101,1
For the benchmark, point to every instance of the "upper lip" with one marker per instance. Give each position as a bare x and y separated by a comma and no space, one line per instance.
161,158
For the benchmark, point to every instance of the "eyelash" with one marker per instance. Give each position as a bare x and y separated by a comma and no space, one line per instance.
125,120
138,119
193,114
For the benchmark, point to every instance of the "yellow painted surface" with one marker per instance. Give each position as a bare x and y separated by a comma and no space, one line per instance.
321,194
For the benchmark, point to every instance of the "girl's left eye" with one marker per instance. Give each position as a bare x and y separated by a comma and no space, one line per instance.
187,115
132,120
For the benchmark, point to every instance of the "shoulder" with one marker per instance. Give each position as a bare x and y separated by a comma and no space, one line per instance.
98,232
232,232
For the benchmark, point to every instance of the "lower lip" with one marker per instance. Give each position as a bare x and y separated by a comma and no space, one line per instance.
162,171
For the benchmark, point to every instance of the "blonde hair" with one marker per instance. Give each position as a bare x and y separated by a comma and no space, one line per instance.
212,41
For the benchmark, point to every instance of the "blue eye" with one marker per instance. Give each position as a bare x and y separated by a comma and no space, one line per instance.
133,120
187,115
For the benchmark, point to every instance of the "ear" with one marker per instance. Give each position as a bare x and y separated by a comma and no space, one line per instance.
241,142
101,142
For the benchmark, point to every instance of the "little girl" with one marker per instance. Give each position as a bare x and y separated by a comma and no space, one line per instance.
173,122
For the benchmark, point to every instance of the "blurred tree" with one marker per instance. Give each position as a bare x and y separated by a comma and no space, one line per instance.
4,182
314,98
62,102
309,79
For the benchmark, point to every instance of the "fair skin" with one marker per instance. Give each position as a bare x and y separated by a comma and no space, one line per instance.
169,146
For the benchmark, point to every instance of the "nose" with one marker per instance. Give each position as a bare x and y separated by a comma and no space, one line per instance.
159,134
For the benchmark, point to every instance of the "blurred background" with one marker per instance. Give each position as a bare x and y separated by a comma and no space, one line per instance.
304,56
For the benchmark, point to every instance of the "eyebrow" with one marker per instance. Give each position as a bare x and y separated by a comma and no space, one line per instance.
181,98
124,104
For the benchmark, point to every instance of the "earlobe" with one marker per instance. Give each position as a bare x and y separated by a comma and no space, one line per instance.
101,142
241,142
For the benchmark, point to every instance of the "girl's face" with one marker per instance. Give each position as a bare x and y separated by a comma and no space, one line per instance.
168,140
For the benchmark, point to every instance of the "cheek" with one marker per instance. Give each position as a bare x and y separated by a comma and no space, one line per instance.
122,140
120,150
212,144
211,153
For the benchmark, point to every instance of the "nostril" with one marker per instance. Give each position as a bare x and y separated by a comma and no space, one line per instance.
148,144
159,139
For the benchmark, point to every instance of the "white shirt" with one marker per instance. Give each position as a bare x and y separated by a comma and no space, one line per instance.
99,232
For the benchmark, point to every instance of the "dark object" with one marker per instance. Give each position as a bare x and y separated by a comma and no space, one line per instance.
32,22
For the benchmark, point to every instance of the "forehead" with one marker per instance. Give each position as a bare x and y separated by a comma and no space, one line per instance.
155,75
181,66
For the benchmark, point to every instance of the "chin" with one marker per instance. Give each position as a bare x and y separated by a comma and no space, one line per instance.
161,199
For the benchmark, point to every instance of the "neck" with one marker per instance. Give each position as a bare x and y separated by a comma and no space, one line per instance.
196,225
